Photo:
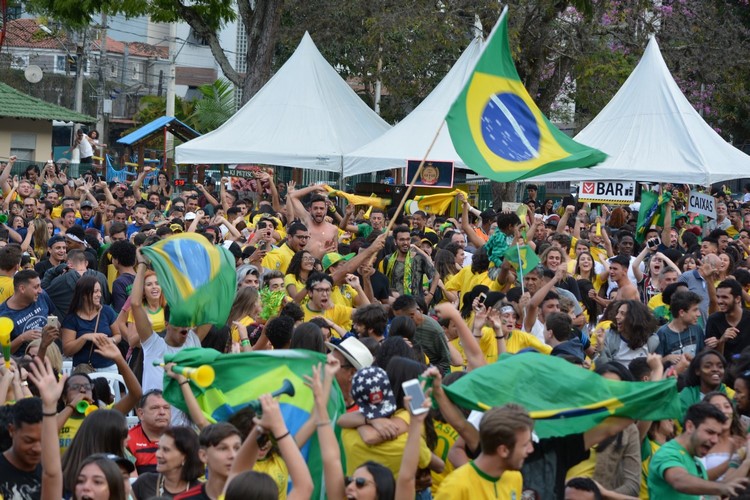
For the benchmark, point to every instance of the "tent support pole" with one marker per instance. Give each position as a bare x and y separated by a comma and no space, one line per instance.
342,185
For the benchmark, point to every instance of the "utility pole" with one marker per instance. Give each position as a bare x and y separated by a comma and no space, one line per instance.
79,72
171,83
101,118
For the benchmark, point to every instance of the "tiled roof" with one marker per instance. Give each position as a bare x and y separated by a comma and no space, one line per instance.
15,104
26,33
134,48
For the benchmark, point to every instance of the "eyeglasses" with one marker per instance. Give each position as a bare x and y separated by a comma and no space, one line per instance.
301,237
359,482
78,387
308,259
322,290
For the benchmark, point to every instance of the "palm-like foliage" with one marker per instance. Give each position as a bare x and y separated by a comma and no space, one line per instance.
214,107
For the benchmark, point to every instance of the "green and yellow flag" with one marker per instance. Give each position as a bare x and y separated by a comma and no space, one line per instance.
561,397
497,129
522,257
651,212
243,377
198,278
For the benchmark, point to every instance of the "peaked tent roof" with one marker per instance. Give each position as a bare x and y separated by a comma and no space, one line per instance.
306,116
410,138
16,104
652,133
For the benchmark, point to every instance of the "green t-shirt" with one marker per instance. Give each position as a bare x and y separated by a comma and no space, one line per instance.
672,454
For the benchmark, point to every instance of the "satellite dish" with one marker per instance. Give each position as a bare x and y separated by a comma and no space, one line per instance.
33,73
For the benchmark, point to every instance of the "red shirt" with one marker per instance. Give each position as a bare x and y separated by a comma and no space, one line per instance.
143,449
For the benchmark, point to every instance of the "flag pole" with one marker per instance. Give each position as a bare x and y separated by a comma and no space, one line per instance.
520,272
411,185
414,179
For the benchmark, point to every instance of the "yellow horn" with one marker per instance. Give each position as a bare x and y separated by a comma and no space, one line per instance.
203,376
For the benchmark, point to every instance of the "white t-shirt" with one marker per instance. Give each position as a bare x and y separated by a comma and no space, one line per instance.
153,376
84,147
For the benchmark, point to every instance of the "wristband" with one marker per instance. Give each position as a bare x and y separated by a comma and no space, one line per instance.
184,382
244,342
277,439
51,414
499,337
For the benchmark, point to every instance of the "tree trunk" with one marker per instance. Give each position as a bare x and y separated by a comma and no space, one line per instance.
503,191
262,34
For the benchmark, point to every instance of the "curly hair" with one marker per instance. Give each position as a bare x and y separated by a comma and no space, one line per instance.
639,324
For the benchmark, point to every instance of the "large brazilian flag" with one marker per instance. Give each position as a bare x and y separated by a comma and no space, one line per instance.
561,397
497,129
243,377
197,278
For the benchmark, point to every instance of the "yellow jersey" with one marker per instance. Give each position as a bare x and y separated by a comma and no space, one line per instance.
388,453
6,288
469,483
341,315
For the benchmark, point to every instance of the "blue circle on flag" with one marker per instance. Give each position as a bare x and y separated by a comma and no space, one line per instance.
509,128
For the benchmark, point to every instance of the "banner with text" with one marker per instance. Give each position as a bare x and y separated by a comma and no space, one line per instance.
614,192
703,204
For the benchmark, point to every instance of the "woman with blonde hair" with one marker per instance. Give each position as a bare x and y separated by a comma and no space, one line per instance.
51,352
36,238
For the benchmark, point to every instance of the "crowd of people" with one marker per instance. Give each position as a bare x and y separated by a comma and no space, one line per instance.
388,297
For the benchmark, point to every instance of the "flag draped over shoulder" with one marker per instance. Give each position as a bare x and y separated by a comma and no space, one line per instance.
355,199
651,212
562,398
522,257
243,377
435,203
197,278
498,130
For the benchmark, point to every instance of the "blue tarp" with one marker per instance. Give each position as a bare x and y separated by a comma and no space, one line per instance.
172,124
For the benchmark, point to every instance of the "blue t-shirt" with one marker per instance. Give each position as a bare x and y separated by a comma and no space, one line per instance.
133,228
121,289
90,224
32,317
82,326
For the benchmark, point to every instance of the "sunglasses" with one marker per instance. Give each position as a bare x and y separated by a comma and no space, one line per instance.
359,482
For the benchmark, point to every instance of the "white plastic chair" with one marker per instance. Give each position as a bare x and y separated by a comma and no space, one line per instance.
114,380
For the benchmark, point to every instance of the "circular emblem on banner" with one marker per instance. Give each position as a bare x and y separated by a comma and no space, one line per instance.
509,128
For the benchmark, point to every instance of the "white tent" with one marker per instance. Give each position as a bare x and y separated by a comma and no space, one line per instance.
410,138
653,134
306,116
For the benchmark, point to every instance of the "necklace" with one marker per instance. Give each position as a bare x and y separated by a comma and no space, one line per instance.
161,486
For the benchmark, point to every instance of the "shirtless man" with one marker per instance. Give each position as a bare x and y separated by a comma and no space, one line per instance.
323,235
618,272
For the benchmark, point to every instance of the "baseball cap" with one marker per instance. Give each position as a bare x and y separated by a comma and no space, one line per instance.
332,258
121,461
372,392
488,215
354,351
87,204
55,239
190,216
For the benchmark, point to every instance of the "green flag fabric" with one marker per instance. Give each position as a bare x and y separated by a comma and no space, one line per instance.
651,212
243,377
522,257
198,279
562,398
498,130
